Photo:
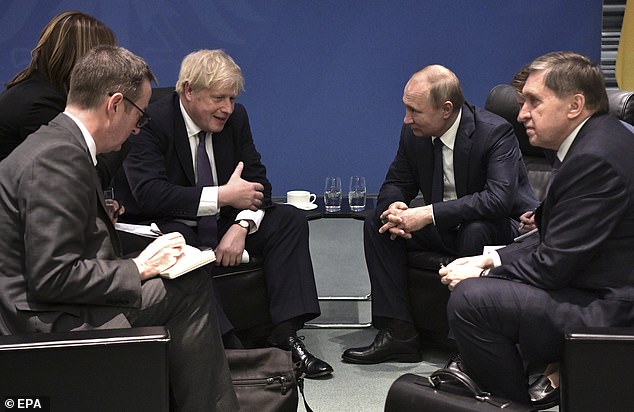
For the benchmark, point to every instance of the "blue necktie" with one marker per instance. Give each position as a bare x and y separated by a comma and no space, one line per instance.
207,225
437,186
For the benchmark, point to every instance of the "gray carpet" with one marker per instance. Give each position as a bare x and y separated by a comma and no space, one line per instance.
340,271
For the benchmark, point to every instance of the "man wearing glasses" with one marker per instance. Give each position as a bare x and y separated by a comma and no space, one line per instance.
61,263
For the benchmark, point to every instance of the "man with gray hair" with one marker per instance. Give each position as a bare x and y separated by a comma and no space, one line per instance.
512,306
195,170
61,264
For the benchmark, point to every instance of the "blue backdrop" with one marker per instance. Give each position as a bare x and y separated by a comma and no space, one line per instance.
324,79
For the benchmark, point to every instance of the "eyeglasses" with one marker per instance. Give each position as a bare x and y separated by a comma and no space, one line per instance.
144,119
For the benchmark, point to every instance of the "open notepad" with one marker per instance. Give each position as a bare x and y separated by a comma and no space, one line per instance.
192,258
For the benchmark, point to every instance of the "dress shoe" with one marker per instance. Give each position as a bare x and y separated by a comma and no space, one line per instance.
311,366
455,362
543,394
385,348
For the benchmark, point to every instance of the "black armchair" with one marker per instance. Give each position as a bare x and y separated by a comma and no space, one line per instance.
96,370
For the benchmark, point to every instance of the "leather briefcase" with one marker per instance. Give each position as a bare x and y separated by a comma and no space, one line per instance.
444,391
265,380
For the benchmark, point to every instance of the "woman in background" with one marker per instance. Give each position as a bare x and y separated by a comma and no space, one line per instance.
38,93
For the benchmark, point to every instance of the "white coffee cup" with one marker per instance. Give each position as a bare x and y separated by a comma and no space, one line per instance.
300,197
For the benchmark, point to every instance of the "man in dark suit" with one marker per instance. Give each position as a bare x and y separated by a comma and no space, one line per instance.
195,170
61,267
467,164
579,270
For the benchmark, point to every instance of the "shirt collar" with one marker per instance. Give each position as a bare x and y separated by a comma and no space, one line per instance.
90,142
190,125
565,145
449,137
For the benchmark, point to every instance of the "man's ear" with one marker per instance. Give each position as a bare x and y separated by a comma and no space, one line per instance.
187,90
114,101
576,105
447,109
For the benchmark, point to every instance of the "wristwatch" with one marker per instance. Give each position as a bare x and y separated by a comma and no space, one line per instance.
245,224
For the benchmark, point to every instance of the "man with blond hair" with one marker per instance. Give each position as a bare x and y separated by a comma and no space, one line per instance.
195,169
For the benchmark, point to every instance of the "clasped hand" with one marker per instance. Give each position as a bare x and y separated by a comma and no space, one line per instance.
401,221
463,268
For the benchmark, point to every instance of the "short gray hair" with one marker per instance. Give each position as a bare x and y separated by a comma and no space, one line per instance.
107,69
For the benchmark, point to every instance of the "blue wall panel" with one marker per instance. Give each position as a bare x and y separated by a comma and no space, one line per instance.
324,79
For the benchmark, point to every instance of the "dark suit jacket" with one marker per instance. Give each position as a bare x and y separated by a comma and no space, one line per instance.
57,245
159,166
491,179
586,224
33,103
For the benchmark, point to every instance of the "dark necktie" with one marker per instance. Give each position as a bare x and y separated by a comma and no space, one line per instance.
207,225
437,178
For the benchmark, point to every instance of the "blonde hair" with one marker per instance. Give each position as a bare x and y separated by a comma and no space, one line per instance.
64,40
206,69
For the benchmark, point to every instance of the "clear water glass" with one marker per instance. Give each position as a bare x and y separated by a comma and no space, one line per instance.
332,194
357,193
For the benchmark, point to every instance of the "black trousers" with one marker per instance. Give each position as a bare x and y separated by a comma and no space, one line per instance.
282,242
500,325
386,259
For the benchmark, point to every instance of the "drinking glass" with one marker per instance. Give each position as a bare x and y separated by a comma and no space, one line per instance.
356,193
112,206
332,194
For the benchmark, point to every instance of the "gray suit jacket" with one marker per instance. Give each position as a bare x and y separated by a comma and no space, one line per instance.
59,250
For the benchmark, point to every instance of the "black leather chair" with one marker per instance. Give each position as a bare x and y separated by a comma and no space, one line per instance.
97,370
428,296
596,372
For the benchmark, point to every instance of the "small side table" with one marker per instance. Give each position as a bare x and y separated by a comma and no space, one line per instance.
333,306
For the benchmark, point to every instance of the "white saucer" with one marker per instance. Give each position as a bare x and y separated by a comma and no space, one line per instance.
304,206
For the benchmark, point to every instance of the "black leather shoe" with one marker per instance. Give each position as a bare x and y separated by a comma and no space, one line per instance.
385,348
312,366
455,362
543,394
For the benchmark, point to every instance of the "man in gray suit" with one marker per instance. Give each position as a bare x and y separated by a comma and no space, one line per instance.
61,266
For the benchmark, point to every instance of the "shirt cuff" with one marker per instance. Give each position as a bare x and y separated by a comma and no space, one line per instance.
208,205
496,258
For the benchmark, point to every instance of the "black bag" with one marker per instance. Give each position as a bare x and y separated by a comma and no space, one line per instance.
445,390
265,379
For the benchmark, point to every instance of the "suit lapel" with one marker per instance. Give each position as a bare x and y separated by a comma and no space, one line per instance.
462,150
181,142
223,145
